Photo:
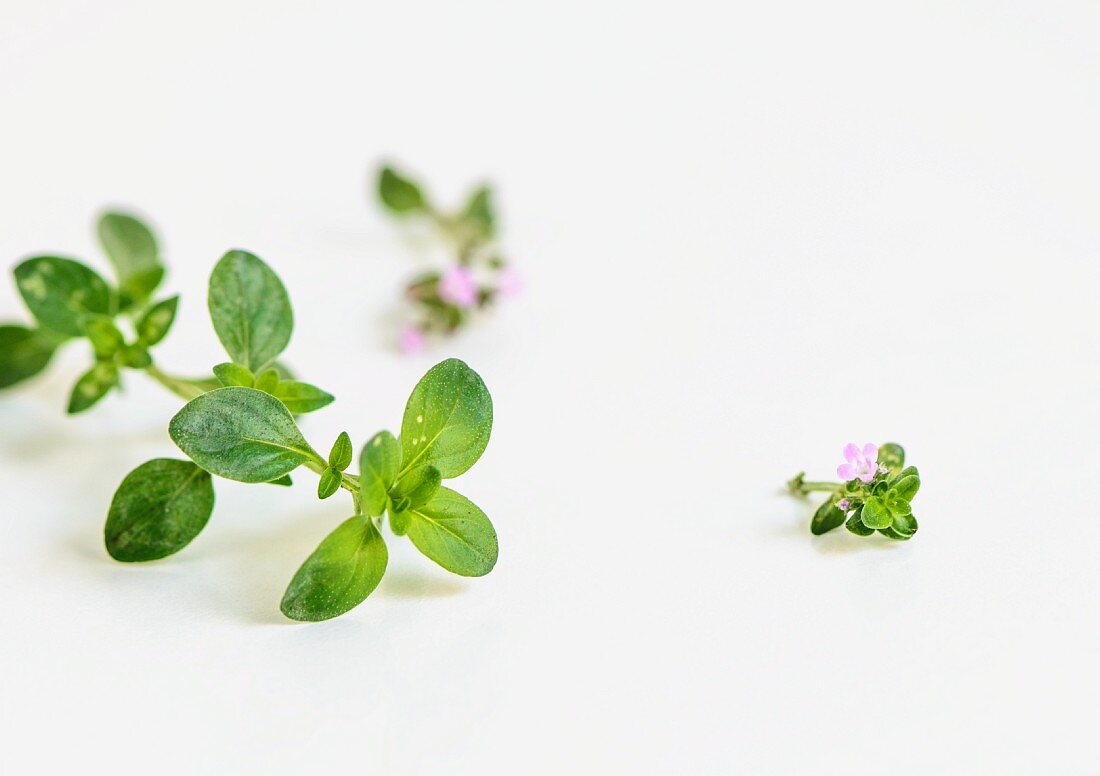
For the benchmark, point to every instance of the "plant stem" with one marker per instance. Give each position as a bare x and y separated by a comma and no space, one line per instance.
183,387
801,487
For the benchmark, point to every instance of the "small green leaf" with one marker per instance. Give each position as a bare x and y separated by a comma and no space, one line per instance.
132,249
379,462
135,357
234,375
158,319
105,337
339,457
892,455
478,213
417,487
399,522
267,381
452,531
826,518
875,514
856,526
283,482
907,487
300,397
250,309
60,292
896,504
447,420
905,525
399,194
890,532
328,484
241,434
92,386
339,575
158,509
25,352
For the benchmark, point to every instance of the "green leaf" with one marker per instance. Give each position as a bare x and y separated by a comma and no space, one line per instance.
379,462
158,509
60,292
284,481
267,381
892,455
399,522
896,504
856,526
301,397
826,518
399,194
135,357
875,514
447,421
339,575
905,525
478,213
417,487
92,386
105,337
894,534
132,249
250,309
241,434
158,319
234,375
452,531
339,457
328,484
25,352
907,487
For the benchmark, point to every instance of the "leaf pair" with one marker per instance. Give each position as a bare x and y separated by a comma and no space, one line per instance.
475,221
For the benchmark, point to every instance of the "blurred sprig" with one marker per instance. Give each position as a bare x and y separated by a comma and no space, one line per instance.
445,300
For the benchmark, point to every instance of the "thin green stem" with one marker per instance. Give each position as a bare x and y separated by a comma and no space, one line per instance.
801,487
187,389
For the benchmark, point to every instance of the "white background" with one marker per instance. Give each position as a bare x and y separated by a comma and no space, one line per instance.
750,232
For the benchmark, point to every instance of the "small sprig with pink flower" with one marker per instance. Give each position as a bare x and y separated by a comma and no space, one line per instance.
873,497
442,301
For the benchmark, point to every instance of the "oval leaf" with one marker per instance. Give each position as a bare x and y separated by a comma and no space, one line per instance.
856,526
154,325
892,455
447,420
60,292
417,487
301,397
25,352
241,434
339,457
397,193
379,463
343,570
157,510
92,386
451,530
875,514
132,249
250,309
826,518
907,487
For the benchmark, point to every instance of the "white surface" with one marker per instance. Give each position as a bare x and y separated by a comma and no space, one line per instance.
749,236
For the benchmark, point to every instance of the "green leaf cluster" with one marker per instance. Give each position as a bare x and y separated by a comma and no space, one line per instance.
471,229
70,300
882,506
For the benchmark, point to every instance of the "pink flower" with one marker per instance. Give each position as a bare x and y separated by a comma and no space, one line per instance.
843,505
862,464
411,340
509,283
457,286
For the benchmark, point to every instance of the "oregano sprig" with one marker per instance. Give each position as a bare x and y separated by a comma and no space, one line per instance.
444,301
874,496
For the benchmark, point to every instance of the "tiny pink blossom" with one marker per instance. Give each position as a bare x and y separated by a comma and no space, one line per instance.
843,504
861,464
509,283
411,340
457,286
